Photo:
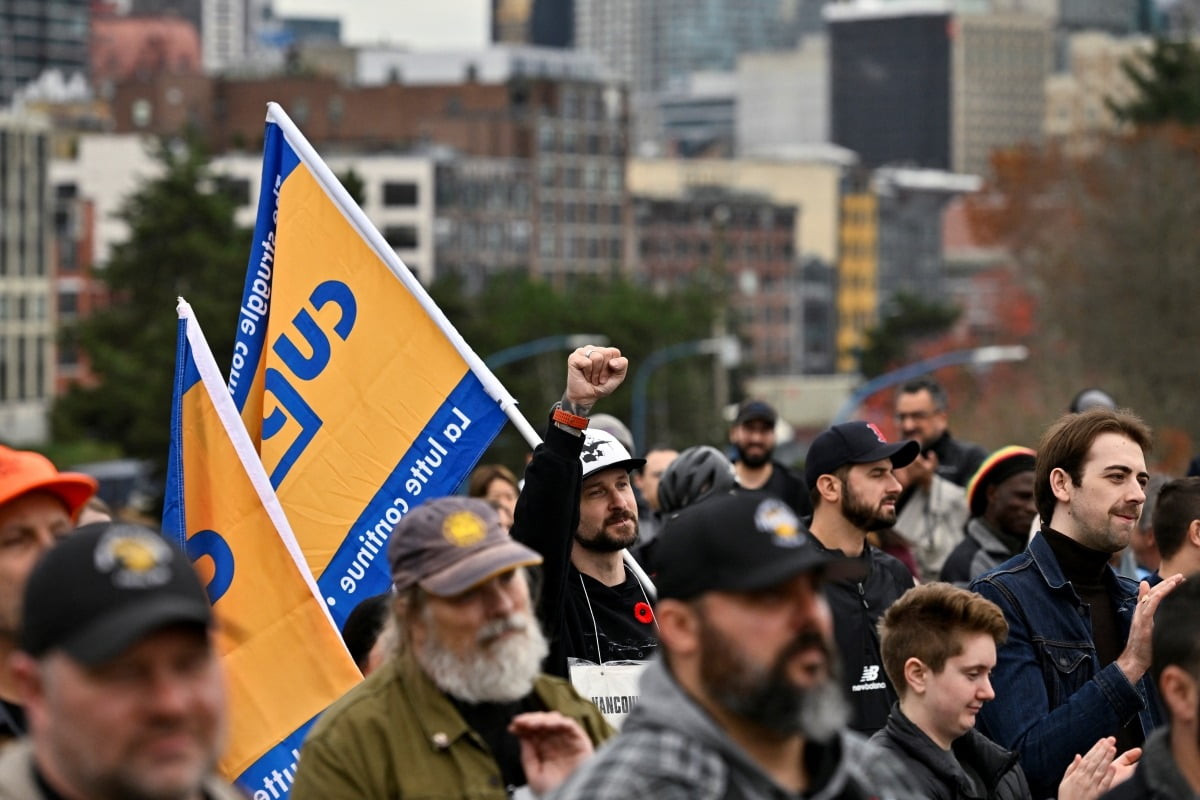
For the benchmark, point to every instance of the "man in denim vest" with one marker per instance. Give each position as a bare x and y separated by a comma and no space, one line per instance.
1074,666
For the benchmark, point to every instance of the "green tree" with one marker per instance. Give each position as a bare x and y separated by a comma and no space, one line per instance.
908,320
182,242
1166,80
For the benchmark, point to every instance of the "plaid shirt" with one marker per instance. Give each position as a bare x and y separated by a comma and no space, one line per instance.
669,749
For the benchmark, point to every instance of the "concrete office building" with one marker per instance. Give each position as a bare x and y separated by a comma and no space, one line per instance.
26,283
1001,63
37,36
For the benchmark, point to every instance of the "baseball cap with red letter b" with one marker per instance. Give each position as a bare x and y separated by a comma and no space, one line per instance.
854,443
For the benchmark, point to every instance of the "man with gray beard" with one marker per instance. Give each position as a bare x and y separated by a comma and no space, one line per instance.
744,701
461,709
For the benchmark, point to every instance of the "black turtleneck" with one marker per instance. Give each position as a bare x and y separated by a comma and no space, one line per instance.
1085,569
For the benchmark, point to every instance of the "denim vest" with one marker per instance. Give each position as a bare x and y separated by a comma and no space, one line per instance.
1053,700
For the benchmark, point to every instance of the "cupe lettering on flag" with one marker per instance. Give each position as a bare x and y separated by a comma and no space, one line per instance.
362,398
283,657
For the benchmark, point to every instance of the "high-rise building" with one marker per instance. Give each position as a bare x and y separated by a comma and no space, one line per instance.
1118,17
552,23
783,97
809,184
858,275
709,35
657,46
223,33
41,35
546,23
1001,62
26,289
890,81
911,203
231,31
623,35
737,245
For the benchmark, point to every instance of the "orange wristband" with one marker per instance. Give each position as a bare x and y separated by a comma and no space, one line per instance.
569,419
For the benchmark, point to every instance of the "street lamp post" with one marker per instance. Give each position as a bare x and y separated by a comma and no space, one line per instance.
992,354
724,347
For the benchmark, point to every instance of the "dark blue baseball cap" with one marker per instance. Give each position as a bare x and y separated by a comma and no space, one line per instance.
854,443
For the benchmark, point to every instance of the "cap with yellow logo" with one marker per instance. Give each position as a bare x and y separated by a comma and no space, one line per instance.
104,588
452,544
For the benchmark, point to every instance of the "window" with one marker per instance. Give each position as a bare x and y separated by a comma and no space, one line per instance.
68,304
399,194
401,236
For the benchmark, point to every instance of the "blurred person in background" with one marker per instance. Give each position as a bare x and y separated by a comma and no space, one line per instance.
38,507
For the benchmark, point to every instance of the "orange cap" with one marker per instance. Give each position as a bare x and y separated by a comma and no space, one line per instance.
24,471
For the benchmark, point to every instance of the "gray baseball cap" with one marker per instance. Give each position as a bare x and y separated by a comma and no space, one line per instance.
452,544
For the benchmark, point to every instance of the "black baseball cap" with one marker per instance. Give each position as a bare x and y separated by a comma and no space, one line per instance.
105,587
739,542
854,443
751,410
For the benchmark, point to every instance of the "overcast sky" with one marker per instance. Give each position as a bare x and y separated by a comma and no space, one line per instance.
420,24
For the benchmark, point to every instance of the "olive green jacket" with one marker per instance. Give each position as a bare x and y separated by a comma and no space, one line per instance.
395,735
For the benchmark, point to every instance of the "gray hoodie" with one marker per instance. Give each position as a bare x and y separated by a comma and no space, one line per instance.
669,748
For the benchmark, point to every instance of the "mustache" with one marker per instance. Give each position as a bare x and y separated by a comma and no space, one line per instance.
518,623
619,516
807,640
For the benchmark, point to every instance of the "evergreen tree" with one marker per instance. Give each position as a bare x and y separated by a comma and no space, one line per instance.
182,242
1167,84
909,319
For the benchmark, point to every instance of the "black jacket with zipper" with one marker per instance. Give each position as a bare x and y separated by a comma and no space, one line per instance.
857,607
941,774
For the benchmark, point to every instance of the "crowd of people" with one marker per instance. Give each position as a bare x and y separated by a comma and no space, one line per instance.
899,619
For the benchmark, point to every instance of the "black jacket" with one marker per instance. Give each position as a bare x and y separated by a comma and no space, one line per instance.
980,550
941,775
957,460
857,607
789,487
545,519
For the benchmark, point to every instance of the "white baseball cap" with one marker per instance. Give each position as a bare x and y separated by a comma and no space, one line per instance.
601,450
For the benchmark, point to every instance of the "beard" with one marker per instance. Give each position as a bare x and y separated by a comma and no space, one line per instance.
496,670
766,696
604,541
755,459
861,515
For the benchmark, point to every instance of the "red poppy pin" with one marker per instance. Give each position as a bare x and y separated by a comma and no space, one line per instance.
643,613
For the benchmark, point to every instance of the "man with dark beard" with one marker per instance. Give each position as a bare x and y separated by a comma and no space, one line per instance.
578,511
461,709
850,474
753,438
744,701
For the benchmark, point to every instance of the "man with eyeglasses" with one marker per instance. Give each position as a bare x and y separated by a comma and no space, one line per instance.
922,413
932,510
